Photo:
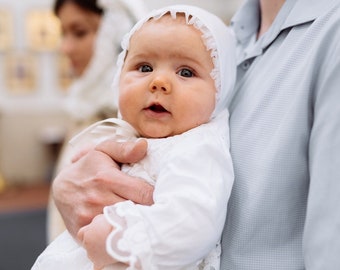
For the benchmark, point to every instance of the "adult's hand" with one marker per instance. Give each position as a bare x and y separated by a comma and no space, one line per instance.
94,180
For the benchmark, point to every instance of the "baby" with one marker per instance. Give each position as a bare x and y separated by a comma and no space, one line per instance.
175,77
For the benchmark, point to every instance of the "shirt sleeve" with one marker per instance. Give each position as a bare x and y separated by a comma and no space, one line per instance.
187,218
322,227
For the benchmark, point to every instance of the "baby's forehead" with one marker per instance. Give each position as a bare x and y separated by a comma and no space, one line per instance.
171,35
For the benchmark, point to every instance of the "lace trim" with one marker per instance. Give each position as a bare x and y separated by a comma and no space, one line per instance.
130,236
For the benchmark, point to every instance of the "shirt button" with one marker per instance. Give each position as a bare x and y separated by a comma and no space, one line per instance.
245,65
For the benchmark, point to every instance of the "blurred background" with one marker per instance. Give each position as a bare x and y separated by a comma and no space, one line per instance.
34,80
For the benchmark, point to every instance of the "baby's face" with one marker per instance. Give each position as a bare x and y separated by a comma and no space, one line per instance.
165,84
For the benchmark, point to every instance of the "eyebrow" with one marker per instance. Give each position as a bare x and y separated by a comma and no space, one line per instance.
175,55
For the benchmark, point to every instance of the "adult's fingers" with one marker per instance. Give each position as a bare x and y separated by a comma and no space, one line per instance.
128,187
124,152
80,193
82,189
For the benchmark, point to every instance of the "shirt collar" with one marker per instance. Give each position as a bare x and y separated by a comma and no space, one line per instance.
246,20
306,11
294,12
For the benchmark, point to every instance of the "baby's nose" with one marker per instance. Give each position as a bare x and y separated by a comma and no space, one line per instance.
160,83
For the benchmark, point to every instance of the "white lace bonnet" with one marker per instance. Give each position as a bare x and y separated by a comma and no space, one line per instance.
217,37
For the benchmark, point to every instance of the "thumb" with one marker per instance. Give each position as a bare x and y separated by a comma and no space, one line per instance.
124,152
80,234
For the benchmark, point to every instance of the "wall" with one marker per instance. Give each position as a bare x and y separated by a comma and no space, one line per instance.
32,119
27,113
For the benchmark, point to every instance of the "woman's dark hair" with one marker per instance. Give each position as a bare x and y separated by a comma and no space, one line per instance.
89,5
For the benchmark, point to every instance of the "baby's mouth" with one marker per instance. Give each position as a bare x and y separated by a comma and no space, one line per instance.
157,108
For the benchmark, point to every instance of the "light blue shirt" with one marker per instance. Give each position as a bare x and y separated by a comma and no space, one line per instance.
284,211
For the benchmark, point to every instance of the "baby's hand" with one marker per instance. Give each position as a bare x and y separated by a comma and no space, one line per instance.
93,238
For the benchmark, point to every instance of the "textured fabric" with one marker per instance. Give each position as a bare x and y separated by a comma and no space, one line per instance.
285,141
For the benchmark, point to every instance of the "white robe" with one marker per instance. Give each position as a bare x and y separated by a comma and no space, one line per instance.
193,177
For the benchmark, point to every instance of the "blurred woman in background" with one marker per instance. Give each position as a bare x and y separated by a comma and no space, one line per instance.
91,34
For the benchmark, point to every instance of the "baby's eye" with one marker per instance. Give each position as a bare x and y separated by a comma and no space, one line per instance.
185,72
145,68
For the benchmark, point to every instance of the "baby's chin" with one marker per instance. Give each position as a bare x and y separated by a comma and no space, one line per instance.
157,132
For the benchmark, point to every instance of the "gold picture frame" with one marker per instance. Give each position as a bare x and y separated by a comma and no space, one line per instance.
20,72
6,30
42,30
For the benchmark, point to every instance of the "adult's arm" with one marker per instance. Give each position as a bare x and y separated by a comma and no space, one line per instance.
94,180
322,227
